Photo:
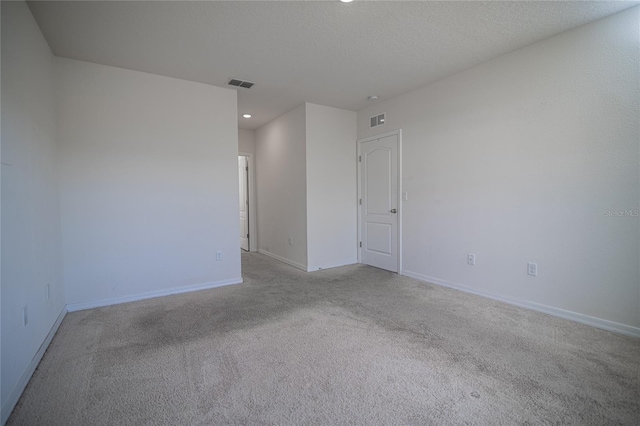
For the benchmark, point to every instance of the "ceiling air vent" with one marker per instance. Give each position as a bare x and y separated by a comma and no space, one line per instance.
240,83
376,120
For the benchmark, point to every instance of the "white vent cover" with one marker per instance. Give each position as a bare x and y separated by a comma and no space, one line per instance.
376,120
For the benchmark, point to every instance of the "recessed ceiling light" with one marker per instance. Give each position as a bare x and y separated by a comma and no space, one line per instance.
346,1
373,98
246,115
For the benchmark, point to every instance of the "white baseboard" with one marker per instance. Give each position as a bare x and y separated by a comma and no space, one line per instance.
550,310
283,259
10,404
337,265
72,307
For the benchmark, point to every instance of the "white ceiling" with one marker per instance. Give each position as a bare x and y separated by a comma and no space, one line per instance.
323,52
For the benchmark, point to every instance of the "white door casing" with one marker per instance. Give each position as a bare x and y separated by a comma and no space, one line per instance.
244,202
379,205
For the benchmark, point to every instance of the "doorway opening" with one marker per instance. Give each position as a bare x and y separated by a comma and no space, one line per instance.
243,178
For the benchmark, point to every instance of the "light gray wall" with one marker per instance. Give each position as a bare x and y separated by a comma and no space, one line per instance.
523,159
31,255
149,183
281,187
331,187
246,141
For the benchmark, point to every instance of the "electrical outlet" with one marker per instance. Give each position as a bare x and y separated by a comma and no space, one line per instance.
218,255
25,315
290,241
532,269
471,259
48,291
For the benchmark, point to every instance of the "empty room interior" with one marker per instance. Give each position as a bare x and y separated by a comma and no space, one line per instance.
320,212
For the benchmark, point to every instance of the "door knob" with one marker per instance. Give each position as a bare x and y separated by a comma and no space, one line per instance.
394,211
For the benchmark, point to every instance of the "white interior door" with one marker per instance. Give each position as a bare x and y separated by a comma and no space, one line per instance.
379,199
243,170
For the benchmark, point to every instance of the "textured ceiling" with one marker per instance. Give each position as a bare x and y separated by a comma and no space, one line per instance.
323,52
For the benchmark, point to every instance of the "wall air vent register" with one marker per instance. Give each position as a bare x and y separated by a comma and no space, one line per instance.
376,120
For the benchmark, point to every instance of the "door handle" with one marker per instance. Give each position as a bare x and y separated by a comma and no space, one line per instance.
394,211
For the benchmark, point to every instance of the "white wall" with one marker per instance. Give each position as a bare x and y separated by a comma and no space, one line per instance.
149,183
331,187
246,141
30,210
1,400
518,160
281,187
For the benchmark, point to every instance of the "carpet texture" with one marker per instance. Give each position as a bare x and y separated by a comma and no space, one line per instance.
351,345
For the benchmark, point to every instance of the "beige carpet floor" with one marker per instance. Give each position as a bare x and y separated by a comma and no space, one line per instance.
351,345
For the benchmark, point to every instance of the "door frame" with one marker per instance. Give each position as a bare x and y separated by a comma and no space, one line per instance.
253,234
397,132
